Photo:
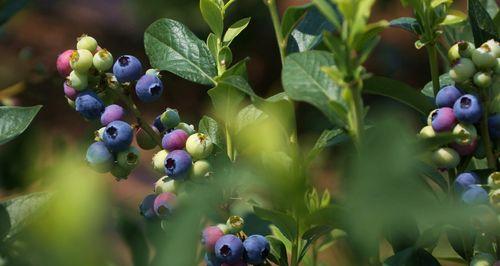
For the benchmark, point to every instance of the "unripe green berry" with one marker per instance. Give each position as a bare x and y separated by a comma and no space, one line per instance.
153,72
88,43
483,57
199,146
189,129
463,70
81,60
129,158
159,161
99,133
235,224
166,184
469,131
460,49
170,118
482,259
119,172
445,158
427,132
103,60
482,79
77,81
224,228
429,117
200,169
494,180
494,47
495,199
71,103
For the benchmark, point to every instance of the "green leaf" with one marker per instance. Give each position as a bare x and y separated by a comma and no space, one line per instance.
239,83
292,17
398,91
402,233
284,222
311,235
21,210
330,11
212,15
277,253
15,120
430,237
134,237
439,140
428,171
412,256
248,116
235,29
303,80
327,138
212,44
408,24
210,127
481,23
454,17
9,8
462,241
171,46
444,80
309,32
238,69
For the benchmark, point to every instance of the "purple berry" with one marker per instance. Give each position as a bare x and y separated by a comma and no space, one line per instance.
99,157
475,195
118,136
210,236
468,109
256,249
164,204
158,124
494,126
175,140
443,119
464,181
89,105
177,164
465,149
112,113
149,88
70,92
447,96
127,68
229,249
147,207
62,64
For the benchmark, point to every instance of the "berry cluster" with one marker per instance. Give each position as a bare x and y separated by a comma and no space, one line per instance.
468,187
226,245
460,106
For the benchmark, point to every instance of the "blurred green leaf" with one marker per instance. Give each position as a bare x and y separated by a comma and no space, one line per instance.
454,17
311,235
403,233
462,241
399,91
226,100
171,46
292,17
9,8
432,173
15,120
408,24
212,14
430,237
326,139
135,239
210,127
412,257
248,116
482,24
284,222
278,253
235,29
303,80
439,140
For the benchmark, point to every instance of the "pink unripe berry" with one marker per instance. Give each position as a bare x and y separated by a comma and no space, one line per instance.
62,64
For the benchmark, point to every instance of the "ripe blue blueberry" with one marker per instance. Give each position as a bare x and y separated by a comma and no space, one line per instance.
127,68
170,118
164,204
256,249
89,105
468,109
149,88
447,96
177,164
494,126
443,119
464,181
118,136
210,236
159,125
475,195
174,140
99,157
112,113
146,208
229,249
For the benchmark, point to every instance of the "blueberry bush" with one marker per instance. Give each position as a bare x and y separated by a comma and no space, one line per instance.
238,186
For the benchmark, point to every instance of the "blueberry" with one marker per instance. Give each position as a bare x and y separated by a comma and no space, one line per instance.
120,172
165,184
62,64
149,88
87,43
443,119
81,61
256,249
112,113
475,195
99,157
468,131
158,124
103,60
186,127
483,57
200,170
127,68
460,49
445,158
464,181
89,105
495,199
210,236
447,96
175,140
118,135
128,159
159,161
482,79
235,223
77,81
494,180
494,126
170,118
468,109
494,47
146,208
465,149
144,140
69,92
164,204
199,146
177,164
462,70
427,132
229,249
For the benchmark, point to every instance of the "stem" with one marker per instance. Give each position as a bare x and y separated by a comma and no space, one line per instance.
355,117
488,146
273,10
433,61
295,247
229,143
